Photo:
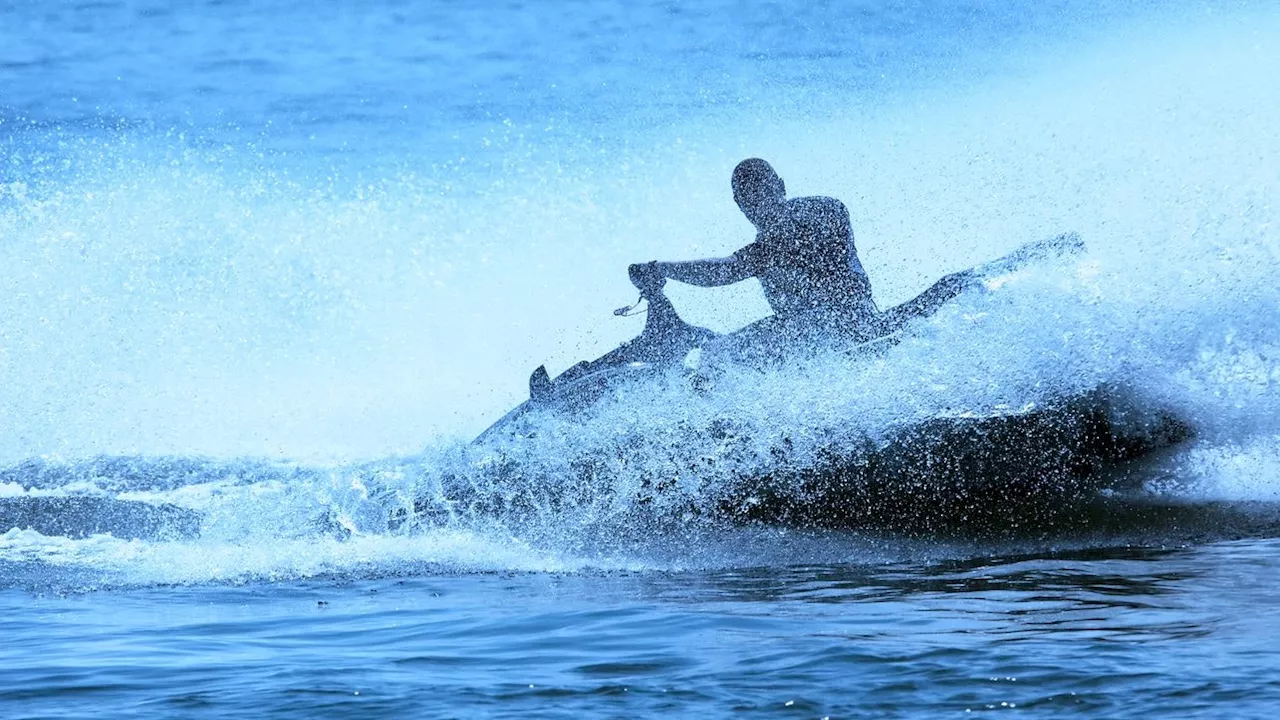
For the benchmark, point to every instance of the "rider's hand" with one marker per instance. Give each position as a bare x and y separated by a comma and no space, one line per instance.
645,276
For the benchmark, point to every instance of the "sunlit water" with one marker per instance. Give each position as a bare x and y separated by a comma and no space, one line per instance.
257,258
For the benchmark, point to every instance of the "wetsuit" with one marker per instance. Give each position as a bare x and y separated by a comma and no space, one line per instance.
809,270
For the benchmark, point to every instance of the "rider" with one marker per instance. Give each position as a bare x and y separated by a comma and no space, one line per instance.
803,256
805,260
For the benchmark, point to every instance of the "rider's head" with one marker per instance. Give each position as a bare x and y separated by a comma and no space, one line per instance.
758,190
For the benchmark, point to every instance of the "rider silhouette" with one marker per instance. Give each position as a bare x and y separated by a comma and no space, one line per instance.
808,267
803,256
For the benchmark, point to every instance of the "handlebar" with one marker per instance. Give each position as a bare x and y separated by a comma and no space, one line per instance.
646,278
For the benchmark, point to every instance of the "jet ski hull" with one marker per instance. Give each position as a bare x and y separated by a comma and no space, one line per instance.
968,474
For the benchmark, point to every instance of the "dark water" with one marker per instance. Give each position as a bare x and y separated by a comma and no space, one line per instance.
1118,632
268,268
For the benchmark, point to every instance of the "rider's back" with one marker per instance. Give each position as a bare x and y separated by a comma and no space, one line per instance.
808,267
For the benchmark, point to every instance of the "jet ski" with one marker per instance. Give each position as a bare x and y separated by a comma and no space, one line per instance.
946,469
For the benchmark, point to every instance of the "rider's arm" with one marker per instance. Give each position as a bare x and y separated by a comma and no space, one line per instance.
710,272
750,261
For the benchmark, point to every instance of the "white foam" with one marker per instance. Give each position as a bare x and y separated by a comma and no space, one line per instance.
136,562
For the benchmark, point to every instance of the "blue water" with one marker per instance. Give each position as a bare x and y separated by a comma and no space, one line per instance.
268,268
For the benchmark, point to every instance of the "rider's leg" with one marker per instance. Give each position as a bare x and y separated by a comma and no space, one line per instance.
926,303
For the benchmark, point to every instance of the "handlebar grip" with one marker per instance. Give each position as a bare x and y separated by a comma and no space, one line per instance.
646,278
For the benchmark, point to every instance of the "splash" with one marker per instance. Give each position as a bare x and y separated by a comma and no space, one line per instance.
166,299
